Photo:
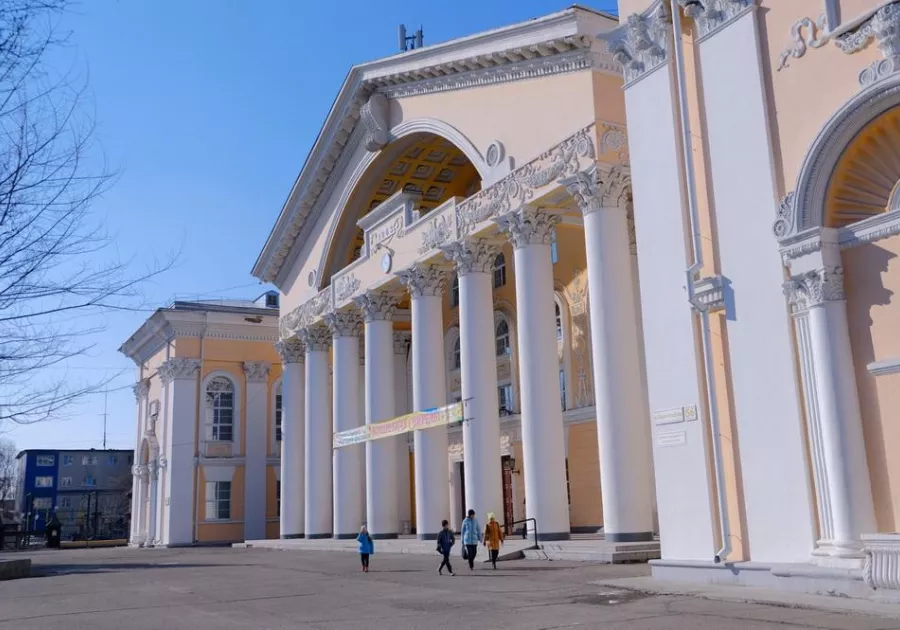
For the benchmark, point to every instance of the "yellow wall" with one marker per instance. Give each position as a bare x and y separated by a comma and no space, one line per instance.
586,509
222,532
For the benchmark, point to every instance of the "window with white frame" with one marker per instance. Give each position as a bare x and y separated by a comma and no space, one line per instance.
65,482
559,324
88,460
499,271
501,338
68,460
278,413
89,481
562,388
220,409
554,250
45,460
505,397
457,354
44,481
218,500
454,292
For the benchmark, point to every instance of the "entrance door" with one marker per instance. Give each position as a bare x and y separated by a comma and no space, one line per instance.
508,516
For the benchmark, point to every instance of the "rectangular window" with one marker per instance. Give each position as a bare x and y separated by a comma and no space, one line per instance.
46,460
277,498
65,482
504,395
43,482
277,417
65,502
218,500
42,503
562,389
90,481
89,460
113,460
68,460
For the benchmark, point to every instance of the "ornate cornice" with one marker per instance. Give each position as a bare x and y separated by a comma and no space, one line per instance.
643,42
595,189
257,371
315,338
402,341
377,306
305,314
178,368
711,15
528,227
472,256
141,389
344,323
815,288
290,351
424,280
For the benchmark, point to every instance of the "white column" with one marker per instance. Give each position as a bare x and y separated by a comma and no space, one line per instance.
141,391
381,455
293,438
349,461
835,426
138,503
623,419
543,439
426,284
179,450
257,375
153,472
481,430
402,340
317,414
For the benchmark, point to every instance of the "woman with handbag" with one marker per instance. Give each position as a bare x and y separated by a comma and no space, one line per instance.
471,536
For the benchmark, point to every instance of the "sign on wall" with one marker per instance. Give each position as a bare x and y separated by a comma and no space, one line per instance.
416,421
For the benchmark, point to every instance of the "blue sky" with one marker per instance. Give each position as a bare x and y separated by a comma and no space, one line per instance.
207,109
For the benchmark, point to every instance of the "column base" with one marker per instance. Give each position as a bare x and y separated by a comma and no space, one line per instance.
319,536
551,536
345,536
427,536
629,536
384,536
292,536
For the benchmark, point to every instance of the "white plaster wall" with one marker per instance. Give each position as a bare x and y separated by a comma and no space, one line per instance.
686,511
778,501
179,478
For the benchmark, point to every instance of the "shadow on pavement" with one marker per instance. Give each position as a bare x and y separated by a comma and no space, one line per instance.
47,570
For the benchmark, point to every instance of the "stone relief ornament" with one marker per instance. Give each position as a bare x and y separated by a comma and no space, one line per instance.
374,115
643,42
495,154
402,341
813,37
290,351
711,14
315,338
529,227
257,371
344,323
377,306
305,314
615,140
178,368
476,256
438,232
423,280
815,288
141,389
784,217
345,286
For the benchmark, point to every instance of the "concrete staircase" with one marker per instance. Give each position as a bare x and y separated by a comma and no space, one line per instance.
595,550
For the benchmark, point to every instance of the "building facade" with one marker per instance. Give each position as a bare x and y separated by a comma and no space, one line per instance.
87,490
208,423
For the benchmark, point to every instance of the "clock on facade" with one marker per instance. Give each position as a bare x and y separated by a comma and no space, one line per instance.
386,262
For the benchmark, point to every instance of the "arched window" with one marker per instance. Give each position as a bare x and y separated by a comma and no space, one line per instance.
559,326
501,338
457,359
499,271
454,292
220,407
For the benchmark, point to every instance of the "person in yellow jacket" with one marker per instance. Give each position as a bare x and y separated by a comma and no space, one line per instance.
493,538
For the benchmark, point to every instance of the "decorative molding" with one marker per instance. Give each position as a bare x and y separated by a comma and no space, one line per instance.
141,389
815,288
402,341
870,230
614,139
423,280
799,245
305,314
517,188
315,338
709,294
377,306
632,231
344,323
883,368
472,256
595,189
528,227
438,232
374,116
882,567
345,287
784,216
257,371
290,351
643,42
816,36
712,15
178,368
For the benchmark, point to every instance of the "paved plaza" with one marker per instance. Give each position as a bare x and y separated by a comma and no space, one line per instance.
223,589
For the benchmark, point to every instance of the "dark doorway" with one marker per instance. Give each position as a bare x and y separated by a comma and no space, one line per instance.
508,517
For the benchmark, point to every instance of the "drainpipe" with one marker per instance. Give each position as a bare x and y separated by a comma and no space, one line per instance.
199,433
691,273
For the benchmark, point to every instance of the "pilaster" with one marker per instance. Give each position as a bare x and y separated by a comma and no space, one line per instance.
257,375
293,438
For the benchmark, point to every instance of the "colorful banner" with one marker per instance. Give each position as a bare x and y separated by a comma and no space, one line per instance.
416,421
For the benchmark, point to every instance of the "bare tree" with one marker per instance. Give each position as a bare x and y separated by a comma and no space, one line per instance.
8,470
56,270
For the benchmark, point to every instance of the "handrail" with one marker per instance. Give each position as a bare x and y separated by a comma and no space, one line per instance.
525,530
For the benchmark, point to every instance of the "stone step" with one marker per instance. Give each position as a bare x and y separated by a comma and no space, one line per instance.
596,551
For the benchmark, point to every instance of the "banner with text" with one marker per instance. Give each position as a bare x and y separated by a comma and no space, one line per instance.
416,421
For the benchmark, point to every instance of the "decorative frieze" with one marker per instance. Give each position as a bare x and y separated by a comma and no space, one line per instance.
424,280
345,287
438,232
711,15
377,306
290,351
402,341
257,371
528,227
178,368
141,389
306,313
316,338
815,288
374,116
473,256
344,323
643,42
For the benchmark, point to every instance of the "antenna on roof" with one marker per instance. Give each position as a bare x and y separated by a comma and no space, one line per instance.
411,42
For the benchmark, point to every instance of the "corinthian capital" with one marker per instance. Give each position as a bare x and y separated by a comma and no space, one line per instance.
595,189
344,323
178,368
316,338
528,227
422,280
141,389
642,44
290,351
815,288
474,256
377,306
257,371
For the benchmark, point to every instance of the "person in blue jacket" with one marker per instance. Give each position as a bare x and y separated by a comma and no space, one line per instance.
471,536
366,547
445,542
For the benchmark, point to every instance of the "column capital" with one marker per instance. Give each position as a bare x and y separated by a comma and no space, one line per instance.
141,389
424,280
595,189
528,227
344,323
815,288
377,306
257,371
472,256
315,338
290,351
140,470
402,339
178,368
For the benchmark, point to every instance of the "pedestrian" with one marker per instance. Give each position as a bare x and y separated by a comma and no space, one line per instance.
493,538
471,536
366,547
445,542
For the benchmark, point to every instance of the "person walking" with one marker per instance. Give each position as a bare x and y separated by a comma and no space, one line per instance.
471,536
445,542
366,547
493,538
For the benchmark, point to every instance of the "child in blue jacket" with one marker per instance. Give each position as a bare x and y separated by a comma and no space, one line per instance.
366,547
